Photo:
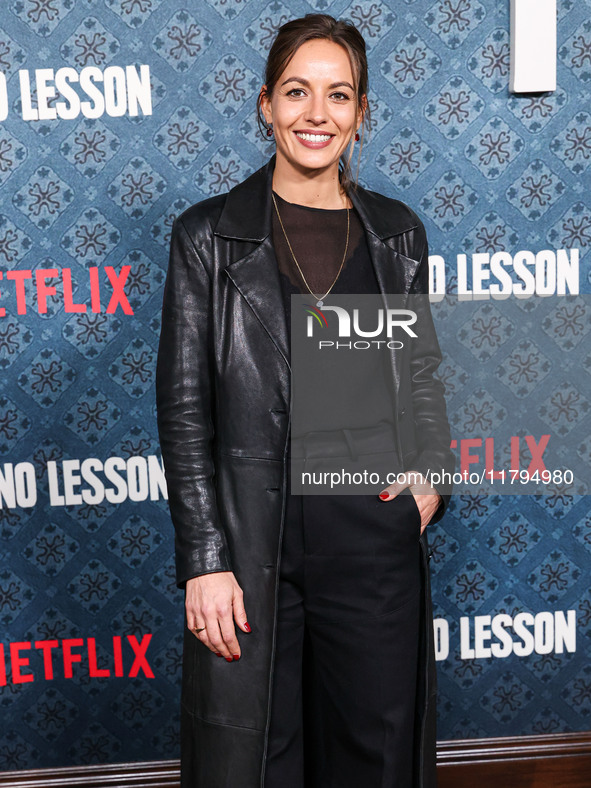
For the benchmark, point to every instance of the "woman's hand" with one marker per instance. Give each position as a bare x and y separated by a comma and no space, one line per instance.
426,497
215,601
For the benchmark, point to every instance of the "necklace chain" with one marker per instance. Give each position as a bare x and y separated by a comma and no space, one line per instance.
319,300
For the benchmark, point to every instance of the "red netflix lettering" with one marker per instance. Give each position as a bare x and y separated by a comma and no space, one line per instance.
73,652
2,666
18,662
69,658
469,458
93,670
44,290
118,296
69,304
489,459
118,655
18,277
115,281
140,661
46,647
536,449
95,290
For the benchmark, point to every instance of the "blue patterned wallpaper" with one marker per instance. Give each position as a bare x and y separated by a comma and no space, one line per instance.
87,204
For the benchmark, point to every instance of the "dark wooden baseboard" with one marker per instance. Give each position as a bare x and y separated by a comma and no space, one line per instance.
150,774
562,760
559,761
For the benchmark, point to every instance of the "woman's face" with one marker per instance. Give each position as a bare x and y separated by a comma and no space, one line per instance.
313,108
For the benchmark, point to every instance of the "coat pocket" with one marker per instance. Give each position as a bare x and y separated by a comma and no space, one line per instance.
416,510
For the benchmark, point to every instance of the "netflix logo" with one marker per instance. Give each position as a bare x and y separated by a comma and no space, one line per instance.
59,658
32,289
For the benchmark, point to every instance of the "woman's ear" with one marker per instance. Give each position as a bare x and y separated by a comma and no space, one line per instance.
265,102
361,109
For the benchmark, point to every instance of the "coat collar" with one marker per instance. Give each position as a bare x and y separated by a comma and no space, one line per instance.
246,216
247,210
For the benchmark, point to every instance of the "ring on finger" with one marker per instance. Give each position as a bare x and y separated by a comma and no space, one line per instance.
199,629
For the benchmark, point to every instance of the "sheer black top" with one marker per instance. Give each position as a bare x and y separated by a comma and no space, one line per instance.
344,395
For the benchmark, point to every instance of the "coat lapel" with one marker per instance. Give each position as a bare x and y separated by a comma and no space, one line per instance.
383,221
257,278
246,217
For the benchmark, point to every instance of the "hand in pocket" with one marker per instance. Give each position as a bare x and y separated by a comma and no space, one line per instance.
426,497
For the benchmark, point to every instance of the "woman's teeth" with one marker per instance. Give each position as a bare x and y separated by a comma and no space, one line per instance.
313,137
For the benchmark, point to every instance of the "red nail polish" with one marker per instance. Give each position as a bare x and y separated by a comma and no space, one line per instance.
247,626
384,495
236,656
229,659
218,654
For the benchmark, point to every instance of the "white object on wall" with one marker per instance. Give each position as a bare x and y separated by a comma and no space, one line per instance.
533,46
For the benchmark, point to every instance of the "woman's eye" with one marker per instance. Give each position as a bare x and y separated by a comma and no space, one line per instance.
341,96
294,90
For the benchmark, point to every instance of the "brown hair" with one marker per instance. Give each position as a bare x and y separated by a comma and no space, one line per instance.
290,37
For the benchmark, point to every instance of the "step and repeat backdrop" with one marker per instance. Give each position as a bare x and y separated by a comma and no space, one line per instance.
116,115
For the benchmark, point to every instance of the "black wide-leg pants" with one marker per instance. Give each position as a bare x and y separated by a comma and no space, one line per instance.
345,674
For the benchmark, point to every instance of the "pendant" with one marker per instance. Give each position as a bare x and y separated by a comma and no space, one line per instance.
319,303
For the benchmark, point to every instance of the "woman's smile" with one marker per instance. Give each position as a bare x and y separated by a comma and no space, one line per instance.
314,139
313,110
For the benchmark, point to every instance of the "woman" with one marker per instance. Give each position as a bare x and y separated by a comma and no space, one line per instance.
259,602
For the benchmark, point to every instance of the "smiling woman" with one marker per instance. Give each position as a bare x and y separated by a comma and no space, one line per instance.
314,118
308,656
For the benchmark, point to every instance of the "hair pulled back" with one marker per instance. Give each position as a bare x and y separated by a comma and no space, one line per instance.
290,37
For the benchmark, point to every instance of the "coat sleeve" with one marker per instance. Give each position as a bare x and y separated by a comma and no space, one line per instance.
184,395
430,413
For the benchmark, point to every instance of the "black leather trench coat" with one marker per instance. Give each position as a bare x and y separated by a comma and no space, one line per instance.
223,401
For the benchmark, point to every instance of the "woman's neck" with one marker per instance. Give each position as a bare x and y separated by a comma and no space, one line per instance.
322,190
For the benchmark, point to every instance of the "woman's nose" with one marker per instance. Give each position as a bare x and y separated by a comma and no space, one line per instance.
316,110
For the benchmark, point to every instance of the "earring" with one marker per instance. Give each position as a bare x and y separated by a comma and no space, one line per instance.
270,130
356,136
